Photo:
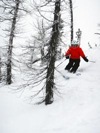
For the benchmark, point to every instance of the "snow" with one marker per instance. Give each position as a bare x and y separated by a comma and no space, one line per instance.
76,108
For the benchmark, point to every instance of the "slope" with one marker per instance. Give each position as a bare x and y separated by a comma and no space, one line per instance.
76,108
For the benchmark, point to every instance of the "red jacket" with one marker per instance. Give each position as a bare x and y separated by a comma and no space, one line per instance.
75,52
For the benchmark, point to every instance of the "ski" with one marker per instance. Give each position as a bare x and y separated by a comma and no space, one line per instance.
65,77
78,74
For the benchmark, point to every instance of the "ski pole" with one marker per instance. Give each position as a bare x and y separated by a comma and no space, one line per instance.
92,61
60,63
62,74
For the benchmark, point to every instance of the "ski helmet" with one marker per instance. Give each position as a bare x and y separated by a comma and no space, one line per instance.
74,43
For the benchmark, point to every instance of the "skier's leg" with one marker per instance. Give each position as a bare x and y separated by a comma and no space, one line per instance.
75,66
70,64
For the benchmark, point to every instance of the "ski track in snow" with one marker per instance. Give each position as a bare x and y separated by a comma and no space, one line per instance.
76,108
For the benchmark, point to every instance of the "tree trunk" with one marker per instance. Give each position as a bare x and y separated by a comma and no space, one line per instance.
71,16
9,60
52,55
0,68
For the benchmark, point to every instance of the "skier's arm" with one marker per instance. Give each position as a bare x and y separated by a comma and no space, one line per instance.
67,57
67,53
85,58
83,55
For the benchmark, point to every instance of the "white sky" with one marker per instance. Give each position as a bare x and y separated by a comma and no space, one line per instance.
86,17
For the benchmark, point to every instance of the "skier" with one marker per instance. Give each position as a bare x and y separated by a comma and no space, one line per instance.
73,54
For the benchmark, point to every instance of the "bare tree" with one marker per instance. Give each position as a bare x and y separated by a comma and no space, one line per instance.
0,66
12,30
10,14
98,33
47,41
52,55
71,18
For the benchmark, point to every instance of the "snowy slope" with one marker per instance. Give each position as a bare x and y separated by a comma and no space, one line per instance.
76,108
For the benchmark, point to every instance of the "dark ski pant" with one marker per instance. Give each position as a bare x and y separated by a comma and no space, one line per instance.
73,65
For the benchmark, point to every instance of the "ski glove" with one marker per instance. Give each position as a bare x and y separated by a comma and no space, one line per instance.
67,57
85,59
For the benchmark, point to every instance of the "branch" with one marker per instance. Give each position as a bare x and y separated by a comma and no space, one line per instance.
97,33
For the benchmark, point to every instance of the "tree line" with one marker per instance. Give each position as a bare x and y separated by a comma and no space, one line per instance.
44,48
